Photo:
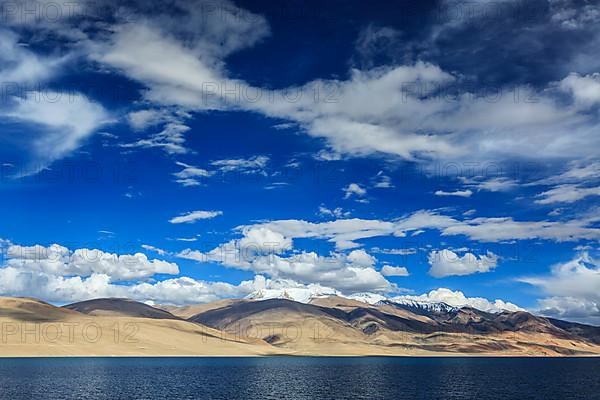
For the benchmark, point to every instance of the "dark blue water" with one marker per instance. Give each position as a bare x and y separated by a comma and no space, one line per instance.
300,378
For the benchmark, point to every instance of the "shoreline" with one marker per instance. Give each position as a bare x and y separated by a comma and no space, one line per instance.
3,357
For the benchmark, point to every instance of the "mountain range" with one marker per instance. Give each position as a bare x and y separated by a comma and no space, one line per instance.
275,323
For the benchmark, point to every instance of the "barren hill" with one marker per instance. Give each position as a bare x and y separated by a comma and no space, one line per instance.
33,328
324,326
119,307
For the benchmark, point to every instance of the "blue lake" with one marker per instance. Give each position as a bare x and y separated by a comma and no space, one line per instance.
300,378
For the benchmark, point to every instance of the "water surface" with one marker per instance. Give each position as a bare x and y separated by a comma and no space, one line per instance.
300,378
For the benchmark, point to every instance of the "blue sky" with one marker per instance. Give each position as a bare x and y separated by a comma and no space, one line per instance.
184,152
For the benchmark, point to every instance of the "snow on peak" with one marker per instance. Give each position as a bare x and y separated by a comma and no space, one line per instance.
430,306
440,300
457,299
374,298
366,297
299,294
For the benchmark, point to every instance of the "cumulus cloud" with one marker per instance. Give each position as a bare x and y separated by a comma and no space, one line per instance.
447,263
59,261
193,216
337,271
15,281
270,253
458,299
60,275
572,289
355,191
388,270
584,89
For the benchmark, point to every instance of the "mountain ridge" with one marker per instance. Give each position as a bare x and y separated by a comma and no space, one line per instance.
327,325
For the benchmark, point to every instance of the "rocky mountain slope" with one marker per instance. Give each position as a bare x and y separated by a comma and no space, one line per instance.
333,323
320,325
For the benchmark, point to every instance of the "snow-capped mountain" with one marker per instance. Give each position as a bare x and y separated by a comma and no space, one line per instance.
301,295
366,297
437,301
422,306
305,295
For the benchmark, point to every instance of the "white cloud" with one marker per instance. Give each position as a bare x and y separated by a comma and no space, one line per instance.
567,194
572,308
457,193
506,228
192,239
15,281
64,121
19,65
154,249
171,139
261,240
382,181
59,261
346,232
252,165
57,274
186,290
584,89
572,289
499,184
402,252
458,299
374,40
191,175
354,190
143,119
178,72
448,263
362,258
388,270
262,252
179,56
337,212
194,216
576,172
576,182
394,117
342,232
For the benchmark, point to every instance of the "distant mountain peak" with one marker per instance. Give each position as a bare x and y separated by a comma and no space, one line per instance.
367,297
435,307
299,294
415,303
